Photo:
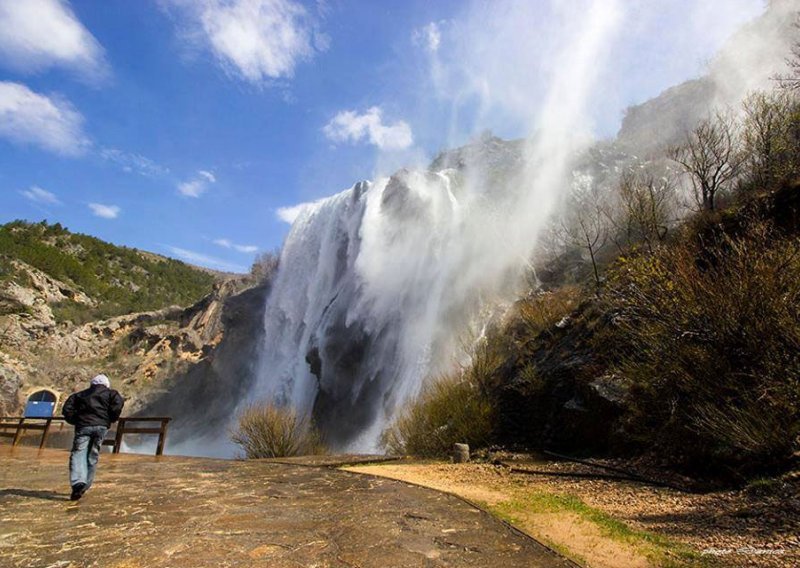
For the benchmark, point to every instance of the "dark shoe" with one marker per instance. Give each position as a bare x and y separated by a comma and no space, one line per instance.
77,491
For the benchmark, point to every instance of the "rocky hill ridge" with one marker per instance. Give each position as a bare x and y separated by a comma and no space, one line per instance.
41,348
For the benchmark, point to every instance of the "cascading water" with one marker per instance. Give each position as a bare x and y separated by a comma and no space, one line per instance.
384,285
378,284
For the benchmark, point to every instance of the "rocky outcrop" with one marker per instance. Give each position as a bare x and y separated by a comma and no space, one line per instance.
555,394
202,397
25,310
10,385
141,352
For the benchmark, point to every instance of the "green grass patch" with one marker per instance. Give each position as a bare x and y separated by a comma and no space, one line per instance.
660,550
509,511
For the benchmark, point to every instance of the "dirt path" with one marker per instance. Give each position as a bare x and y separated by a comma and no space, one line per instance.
605,524
581,540
187,512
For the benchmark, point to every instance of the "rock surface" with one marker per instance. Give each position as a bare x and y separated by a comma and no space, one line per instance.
755,526
189,512
139,351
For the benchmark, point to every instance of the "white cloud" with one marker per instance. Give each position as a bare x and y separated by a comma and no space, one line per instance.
37,34
105,211
198,185
51,123
292,212
41,196
130,162
256,40
193,188
349,126
228,244
428,36
205,260
208,175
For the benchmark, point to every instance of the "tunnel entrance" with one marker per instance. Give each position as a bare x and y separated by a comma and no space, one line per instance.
41,404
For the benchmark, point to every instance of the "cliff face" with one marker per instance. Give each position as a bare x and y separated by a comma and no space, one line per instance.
141,352
202,397
749,61
73,306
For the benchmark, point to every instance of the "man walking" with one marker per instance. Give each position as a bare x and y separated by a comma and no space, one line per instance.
91,411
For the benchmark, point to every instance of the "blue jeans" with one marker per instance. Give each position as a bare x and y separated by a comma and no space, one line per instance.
85,453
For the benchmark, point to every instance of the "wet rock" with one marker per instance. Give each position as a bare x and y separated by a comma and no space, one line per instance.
550,398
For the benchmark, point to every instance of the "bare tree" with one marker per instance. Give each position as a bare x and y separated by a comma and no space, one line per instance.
711,157
644,209
761,135
770,136
265,265
586,226
790,81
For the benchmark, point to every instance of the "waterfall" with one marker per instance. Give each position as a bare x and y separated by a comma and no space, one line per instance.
379,285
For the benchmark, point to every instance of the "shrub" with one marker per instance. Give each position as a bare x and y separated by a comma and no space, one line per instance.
454,408
709,340
266,430
541,311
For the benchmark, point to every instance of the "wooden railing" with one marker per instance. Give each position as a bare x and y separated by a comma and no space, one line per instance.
123,428
15,426
20,425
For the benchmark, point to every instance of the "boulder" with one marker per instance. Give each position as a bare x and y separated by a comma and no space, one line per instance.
460,453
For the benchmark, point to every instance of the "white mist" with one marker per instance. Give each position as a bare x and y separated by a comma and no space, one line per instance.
378,284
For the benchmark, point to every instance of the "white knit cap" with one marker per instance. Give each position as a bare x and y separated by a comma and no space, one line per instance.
101,380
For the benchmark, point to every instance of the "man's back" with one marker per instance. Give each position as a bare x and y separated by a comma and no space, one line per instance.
91,411
96,406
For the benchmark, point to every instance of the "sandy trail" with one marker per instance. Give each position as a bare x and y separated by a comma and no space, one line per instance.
488,486
612,523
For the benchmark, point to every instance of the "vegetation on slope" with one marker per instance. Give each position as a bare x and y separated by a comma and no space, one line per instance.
120,280
707,341
682,337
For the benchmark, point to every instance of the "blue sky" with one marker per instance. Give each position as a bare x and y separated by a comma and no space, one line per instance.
191,127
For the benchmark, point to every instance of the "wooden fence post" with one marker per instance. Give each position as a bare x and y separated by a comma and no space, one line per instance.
20,429
162,436
118,439
45,432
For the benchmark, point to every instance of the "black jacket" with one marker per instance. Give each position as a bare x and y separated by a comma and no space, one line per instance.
96,406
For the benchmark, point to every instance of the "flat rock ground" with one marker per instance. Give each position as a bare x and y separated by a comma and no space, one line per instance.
149,512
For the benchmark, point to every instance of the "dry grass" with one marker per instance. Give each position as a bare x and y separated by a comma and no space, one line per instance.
710,342
452,409
543,310
266,430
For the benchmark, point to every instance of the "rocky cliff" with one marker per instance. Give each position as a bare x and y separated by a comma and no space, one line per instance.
144,353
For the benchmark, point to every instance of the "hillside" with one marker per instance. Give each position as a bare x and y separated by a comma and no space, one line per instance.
110,280
72,306
669,339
